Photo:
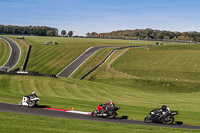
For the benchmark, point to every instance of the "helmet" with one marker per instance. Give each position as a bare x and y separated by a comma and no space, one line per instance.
33,93
164,107
110,102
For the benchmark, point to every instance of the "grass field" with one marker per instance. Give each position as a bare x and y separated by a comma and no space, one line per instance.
4,52
160,63
138,81
18,123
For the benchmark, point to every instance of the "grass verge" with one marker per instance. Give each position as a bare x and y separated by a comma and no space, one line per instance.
11,122
4,52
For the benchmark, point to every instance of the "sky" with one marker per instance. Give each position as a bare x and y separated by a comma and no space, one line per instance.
102,16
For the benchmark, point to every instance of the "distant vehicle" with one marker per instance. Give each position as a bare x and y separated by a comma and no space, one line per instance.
157,117
20,37
105,112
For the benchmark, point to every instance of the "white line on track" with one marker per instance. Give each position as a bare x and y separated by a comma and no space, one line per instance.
11,52
82,63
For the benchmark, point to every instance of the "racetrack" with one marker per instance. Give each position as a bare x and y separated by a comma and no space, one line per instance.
14,55
68,71
60,114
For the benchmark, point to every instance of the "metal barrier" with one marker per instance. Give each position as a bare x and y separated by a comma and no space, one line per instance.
29,73
26,58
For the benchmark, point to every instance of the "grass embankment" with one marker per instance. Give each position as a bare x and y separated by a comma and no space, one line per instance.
11,122
4,52
53,58
85,95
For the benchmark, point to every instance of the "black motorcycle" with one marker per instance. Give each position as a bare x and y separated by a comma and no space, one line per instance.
106,112
156,116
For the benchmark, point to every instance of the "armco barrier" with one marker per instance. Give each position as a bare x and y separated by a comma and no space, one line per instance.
108,57
26,58
30,73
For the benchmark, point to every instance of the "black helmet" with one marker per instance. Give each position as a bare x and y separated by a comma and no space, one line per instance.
164,107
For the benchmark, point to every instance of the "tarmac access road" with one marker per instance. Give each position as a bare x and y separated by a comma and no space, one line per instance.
13,108
68,71
14,55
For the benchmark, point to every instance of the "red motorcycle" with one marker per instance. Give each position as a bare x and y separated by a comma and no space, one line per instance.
105,112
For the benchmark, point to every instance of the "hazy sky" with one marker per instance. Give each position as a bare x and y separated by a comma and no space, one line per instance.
84,16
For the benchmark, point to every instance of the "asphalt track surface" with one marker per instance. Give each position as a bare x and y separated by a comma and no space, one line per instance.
15,53
39,111
68,71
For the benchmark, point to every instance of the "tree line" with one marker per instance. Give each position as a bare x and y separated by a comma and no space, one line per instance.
29,30
148,33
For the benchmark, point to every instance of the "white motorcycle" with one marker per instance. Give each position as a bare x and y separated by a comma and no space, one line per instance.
29,101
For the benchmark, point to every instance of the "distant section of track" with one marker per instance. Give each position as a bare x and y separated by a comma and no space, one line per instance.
14,55
68,71
61,114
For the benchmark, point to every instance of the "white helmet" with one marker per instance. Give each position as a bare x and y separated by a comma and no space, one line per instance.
33,93
110,102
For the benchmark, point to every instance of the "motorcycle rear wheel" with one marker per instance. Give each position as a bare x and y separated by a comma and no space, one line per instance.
31,104
111,115
148,119
170,121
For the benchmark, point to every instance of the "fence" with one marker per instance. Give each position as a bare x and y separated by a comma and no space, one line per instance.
29,73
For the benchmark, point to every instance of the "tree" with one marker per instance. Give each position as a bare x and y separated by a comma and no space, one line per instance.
88,34
49,33
63,32
70,33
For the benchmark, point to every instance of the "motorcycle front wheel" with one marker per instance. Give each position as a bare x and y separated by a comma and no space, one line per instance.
148,119
93,114
20,103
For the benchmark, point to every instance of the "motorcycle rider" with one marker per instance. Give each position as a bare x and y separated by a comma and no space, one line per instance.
102,107
32,95
165,110
110,104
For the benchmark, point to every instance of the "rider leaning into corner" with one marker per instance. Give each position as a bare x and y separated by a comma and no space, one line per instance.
32,95
109,104
165,110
